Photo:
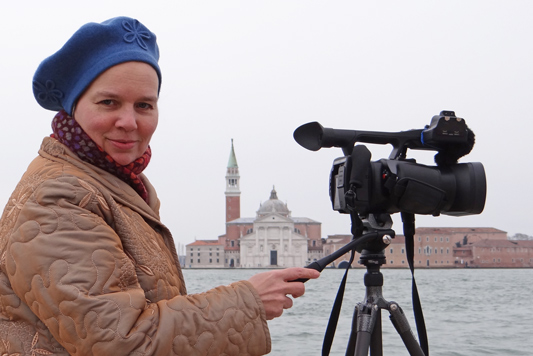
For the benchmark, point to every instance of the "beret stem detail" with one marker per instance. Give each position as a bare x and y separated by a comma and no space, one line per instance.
47,93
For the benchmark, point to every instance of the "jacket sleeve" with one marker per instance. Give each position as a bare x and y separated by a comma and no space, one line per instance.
68,265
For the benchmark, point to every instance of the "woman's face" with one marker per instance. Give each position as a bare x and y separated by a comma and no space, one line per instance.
119,110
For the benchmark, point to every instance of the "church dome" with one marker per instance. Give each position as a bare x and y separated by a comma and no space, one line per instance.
273,205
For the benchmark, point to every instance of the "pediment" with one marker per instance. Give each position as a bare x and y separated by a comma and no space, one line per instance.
251,239
274,218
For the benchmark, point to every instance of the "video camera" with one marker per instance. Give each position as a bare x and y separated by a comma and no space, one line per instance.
399,184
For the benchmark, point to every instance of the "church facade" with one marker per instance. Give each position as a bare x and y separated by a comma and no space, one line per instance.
277,239
271,239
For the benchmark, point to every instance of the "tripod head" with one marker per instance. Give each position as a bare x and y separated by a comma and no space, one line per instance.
362,225
371,235
373,251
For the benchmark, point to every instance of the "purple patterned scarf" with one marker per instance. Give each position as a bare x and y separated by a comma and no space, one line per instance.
67,131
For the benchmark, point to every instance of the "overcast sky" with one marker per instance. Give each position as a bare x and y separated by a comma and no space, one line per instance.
256,70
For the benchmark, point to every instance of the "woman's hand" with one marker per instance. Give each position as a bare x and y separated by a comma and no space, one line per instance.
274,286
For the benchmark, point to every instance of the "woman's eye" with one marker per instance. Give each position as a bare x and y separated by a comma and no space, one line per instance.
144,106
106,102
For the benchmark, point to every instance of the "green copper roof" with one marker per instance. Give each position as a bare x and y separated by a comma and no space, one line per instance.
232,162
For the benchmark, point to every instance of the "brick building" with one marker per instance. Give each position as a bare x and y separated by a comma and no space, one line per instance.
205,254
449,247
495,253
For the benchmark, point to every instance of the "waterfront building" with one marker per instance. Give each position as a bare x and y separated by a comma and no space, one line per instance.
434,246
495,254
333,243
449,247
205,254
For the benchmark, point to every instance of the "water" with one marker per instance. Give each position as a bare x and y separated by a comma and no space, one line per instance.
468,312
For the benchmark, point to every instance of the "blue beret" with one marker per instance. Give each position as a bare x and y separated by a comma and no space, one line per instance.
61,78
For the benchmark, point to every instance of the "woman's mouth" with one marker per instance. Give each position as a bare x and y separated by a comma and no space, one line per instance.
123,144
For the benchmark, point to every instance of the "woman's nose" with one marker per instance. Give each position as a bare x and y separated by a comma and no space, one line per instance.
127,119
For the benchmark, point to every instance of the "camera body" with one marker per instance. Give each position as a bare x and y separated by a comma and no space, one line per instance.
399,184
391,186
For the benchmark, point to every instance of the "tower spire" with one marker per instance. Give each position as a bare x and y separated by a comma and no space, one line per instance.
232,162
233,193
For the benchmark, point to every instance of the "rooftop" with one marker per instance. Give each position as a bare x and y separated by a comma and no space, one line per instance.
437,230
204,243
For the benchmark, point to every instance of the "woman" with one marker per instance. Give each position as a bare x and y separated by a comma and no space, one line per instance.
87,268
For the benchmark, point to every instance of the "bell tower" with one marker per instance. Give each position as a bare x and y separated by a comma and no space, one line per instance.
233,193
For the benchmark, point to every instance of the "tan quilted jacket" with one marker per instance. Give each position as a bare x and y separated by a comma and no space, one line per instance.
87,268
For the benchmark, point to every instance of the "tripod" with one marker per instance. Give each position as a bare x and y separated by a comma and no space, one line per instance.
366,322
371,237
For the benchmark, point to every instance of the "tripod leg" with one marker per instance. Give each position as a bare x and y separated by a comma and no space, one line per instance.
366,320
401,325
376,342
350,350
